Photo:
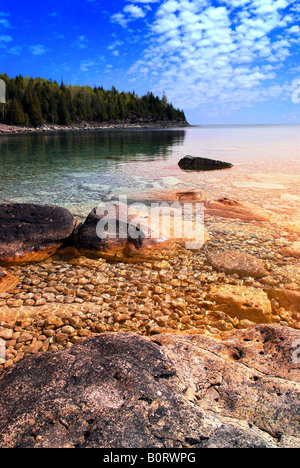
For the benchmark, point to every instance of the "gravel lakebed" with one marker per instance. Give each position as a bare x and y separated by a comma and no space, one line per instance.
60,302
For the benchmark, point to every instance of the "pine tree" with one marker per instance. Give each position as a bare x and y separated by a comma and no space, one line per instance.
62,110
14,114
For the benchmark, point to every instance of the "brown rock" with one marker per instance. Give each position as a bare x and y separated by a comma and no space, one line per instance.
132,236
237,390
33,348
6,333
32,233
228,208
289,300
7,281
24,337
237,262
168,195
292,250
53,322
242,302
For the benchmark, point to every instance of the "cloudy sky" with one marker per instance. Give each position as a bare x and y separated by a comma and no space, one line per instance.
223,62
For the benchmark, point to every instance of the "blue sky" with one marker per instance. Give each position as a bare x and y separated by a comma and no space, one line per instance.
223,62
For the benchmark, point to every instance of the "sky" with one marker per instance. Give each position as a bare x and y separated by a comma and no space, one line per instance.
222,62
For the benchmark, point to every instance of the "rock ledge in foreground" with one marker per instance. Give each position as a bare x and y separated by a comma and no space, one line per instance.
127,391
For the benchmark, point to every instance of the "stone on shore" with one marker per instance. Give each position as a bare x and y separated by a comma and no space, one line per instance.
122,390
192,163
237,262
242,302
32,233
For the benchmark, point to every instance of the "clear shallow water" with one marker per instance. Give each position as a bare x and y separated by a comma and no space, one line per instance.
80,170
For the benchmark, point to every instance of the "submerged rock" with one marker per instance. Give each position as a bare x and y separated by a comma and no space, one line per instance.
289,300
168,196
32,233
125,391
228,208
241,263
120,233
242,302
202,164
292,250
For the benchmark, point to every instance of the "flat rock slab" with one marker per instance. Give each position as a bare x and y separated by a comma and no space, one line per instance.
192,163
32,233
241,263
229,208
242,302
121,390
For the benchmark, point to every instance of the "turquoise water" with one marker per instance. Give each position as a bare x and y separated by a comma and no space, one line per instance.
80,170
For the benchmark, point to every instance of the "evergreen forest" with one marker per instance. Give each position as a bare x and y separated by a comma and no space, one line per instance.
37,101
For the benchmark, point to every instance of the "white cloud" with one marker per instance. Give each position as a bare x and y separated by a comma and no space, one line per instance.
85,66
37,49
203,54
120,19
80,42
134,11
294,29
5,39
130,13
15,50
4,23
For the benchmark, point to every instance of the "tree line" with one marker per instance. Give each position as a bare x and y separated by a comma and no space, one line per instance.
37,101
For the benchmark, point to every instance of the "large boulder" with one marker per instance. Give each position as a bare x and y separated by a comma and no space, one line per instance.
32,233
121,233
121,390
192,163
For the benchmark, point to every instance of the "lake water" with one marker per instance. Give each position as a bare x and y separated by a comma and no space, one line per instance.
80,170
185,293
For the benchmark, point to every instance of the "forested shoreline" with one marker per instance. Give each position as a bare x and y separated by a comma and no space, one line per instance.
37,101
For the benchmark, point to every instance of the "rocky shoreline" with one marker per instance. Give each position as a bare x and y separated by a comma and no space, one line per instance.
236,281
211,314
92,126
120,390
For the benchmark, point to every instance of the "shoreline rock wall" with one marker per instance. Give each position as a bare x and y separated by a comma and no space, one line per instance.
92,126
